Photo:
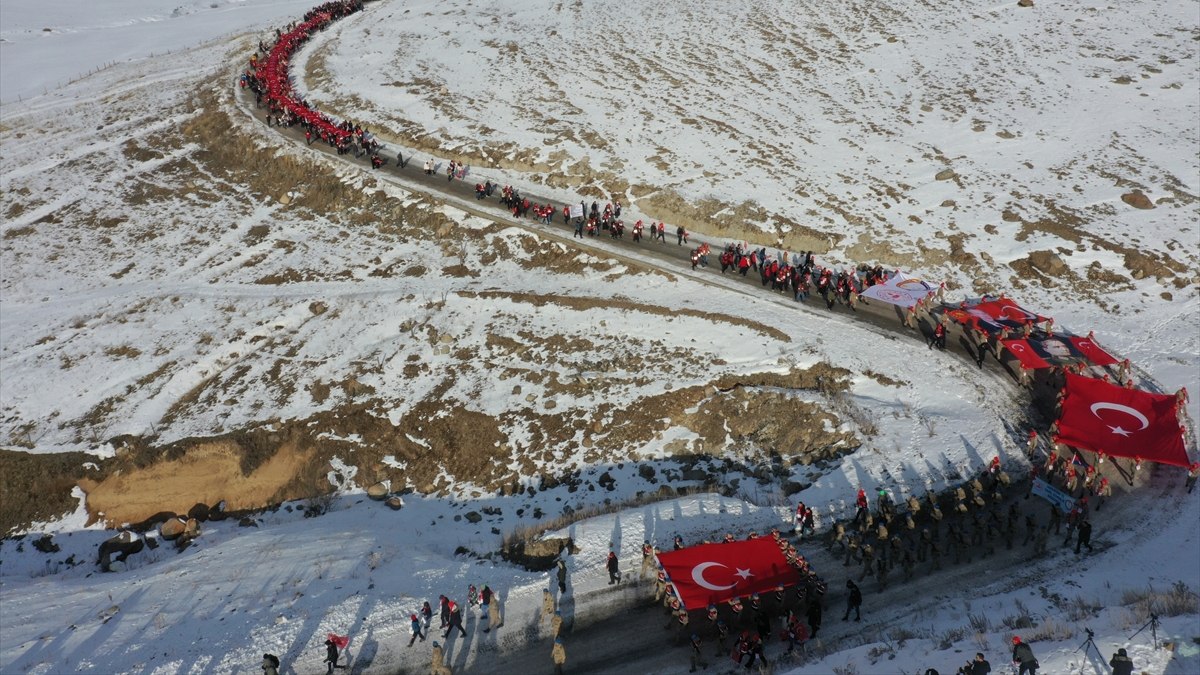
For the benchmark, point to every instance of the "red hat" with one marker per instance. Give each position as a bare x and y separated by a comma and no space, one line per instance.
1016,639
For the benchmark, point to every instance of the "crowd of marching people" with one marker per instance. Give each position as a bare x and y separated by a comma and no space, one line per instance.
891,541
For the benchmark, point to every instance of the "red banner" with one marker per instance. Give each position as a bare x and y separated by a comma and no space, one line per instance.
1092,351
1006,311
1121,422
713,573
1025,353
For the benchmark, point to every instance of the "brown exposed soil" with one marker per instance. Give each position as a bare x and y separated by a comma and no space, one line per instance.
207,473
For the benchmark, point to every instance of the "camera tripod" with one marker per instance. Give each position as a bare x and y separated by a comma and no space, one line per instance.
1089,642
1152,624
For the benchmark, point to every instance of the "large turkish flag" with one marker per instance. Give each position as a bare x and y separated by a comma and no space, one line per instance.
713,573
1121,422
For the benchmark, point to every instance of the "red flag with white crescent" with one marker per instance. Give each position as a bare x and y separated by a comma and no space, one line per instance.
1025,353
1104,417
1092,351
714,573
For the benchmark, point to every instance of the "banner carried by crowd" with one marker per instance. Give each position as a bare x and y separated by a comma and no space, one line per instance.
994,315
900,289
1121,422
713,573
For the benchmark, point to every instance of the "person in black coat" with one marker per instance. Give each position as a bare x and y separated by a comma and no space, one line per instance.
814,617
1085,536
614,574
853,602
1023,658
977,666
1121,663
331,656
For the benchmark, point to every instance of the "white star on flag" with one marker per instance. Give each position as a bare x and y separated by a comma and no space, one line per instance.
744,574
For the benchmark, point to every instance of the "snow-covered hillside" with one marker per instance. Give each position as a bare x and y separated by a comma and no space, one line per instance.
215,311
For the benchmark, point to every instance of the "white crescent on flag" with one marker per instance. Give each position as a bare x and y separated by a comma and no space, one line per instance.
698,576
1132,412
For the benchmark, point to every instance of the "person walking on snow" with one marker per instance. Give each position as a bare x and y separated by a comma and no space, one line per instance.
697,658
853,601
647,559
455,620
415,629
495,620
562,576
614,574
426,614
331,656
547,604
270,664
1023,658
1085,535
438,661
558,654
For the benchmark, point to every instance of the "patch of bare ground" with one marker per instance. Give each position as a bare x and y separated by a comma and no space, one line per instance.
1070,225
580,303
735,221
207,473
37,487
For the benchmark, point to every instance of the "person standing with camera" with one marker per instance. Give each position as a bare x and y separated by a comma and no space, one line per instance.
977,666
1121,663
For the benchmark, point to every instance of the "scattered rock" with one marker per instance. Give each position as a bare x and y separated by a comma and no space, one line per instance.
473,517
551,404
191,529
607,482
1137,200
123,545
171,529
378,491
318,308
1024,3
945,174
949,203
695,474
647,473
247,521
199,512
217,511
395,502
1047,262
285,200
516,391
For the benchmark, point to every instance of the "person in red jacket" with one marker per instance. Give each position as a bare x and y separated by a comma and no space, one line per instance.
939,337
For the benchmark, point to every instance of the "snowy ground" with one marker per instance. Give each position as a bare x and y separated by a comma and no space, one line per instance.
148,290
